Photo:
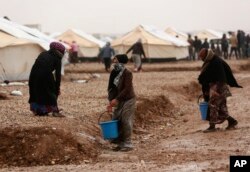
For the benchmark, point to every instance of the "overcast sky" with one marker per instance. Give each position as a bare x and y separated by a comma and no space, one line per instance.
119,16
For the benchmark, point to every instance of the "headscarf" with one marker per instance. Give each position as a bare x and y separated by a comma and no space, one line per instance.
119,67
122,58
207,59
57,46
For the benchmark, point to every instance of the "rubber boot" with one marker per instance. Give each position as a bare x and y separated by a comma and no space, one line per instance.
231,123
211,128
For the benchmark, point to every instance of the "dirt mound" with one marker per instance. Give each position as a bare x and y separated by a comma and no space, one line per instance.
3,96
42,146
151,112
245,67
190,91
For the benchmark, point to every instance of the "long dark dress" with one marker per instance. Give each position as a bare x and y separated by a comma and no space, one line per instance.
217,74
44,87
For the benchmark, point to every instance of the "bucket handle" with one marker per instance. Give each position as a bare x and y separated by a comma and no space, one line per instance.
100,116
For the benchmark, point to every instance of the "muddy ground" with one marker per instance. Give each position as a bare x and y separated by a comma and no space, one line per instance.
167,132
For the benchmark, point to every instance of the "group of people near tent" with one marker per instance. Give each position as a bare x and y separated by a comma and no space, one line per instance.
44,89
107,52
237,45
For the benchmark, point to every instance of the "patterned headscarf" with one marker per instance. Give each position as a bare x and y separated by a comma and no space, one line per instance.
57,46
119,67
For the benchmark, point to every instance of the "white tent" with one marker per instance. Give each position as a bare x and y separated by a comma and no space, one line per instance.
18,51
174,32
14,30
21,31
88,45
19,47
16,57
106,39
209,34
55,34
156,43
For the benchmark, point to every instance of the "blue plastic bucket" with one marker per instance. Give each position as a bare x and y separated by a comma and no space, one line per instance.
203,110
109,129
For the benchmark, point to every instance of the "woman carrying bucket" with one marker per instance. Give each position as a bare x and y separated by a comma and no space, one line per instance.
215,77
121,96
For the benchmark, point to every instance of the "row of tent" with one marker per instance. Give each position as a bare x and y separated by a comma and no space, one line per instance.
20,45
170,43
156,43
209,34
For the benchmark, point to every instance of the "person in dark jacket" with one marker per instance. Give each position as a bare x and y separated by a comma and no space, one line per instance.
213,48
44,87
224,46
121,96
205,44
105,54
215,77
137,52
190,48
197,46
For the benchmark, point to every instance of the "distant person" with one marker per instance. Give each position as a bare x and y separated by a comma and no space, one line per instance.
218,49
240,45
44,87
214,78
105,54
74,52
224,46
212,46
247,44
205,44
197,46
137,52
243,44
122,96
190,48
65,61
234,46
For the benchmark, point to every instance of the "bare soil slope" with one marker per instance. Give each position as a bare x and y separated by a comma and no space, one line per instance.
167,132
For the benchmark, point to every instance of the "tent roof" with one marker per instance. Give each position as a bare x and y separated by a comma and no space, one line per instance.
161,34
20,31
55,34
209,34
81,38
106,39
9,40
13,29
174,32
149,35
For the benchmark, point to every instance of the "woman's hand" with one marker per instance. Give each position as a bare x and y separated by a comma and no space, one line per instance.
113,102
109,108
213,90
213,93
58,92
